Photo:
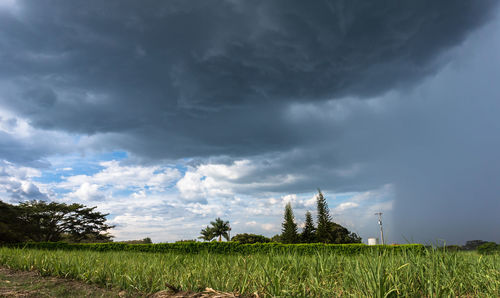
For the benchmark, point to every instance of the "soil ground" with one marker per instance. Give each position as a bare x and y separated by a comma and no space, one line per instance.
15,283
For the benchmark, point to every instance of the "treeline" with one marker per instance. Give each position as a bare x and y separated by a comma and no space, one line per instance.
481,246
146,240
40,221
489,248
326,231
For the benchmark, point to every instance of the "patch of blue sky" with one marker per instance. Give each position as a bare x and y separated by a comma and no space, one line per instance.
77,164
81,169
124,192
112,216
49,177
127,192
113,155
336,199
182,168
59,174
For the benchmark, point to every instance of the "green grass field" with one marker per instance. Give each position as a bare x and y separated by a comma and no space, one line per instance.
432,274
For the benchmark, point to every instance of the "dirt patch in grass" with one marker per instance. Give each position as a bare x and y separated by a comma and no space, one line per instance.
14,283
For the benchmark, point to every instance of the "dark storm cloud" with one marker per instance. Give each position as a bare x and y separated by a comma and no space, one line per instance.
177,78
437,145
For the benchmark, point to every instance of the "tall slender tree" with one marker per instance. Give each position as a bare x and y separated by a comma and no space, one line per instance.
308,233
329,231
323,232
289,232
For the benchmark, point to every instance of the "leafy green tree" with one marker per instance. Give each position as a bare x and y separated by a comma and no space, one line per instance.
323,232
42,221
354,238
250,238
308,234
289,232
11,227
207,234
59,221
488,248
220,229
276,238
340,234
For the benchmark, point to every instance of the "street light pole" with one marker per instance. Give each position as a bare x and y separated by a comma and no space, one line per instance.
380,224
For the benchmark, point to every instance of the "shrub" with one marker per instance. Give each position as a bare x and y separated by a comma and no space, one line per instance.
146,240
488,248
473,244
250,238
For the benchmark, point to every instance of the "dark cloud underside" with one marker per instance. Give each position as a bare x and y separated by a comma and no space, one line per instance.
212,77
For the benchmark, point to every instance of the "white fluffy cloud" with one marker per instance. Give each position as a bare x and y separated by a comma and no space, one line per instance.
158,201
157,227
345,206
119,177
88,192
221,180
16,182
210,180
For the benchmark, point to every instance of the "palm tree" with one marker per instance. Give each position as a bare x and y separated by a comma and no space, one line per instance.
207,234
220,228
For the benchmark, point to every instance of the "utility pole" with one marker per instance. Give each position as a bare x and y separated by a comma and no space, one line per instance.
380,224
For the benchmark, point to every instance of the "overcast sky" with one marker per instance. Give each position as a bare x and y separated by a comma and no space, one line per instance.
168,114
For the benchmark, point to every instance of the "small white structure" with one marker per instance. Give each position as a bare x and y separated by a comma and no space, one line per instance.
372,241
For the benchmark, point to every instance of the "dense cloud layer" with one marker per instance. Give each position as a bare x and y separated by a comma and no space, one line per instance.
268,98
171,75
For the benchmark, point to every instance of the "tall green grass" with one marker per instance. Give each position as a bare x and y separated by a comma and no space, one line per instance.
433,273
223,247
